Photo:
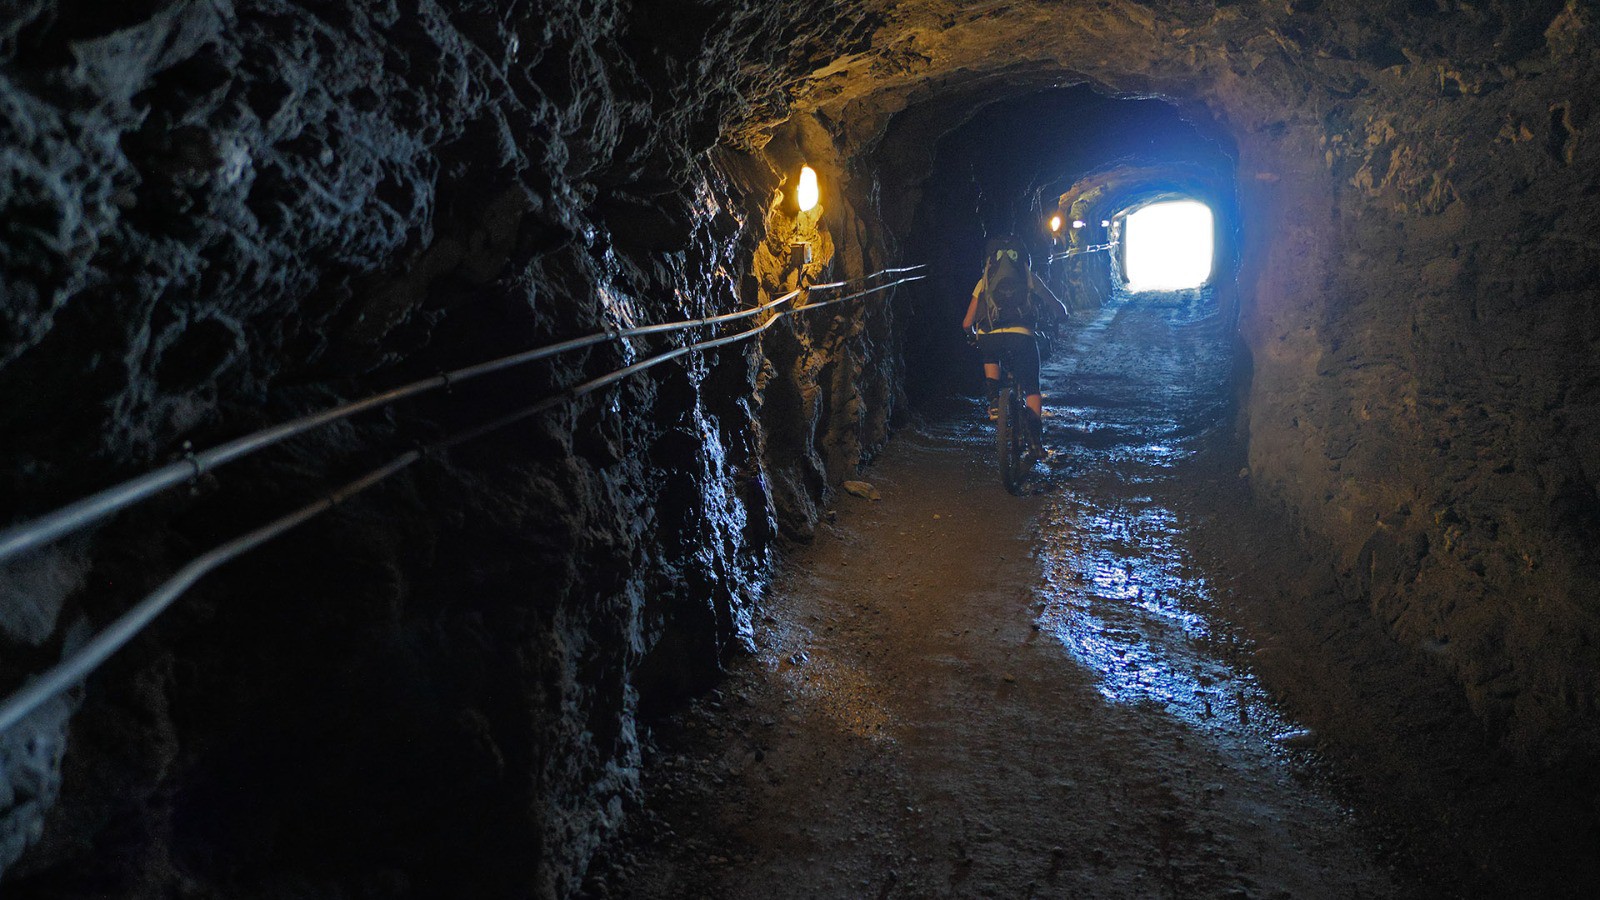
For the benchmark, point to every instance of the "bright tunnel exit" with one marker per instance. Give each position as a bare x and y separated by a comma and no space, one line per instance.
1169,246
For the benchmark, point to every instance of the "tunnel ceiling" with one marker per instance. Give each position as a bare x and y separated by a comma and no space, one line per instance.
1036,144
1249,64
1122,189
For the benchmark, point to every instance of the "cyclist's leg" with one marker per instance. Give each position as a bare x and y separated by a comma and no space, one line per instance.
1024,361
990,348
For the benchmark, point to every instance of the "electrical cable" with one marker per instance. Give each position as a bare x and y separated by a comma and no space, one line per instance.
25,536
1095,248
78,664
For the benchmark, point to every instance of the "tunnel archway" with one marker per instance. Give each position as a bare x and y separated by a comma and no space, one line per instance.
995,166
1107,198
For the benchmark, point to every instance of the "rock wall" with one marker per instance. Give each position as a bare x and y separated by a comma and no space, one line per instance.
1425,393
216,216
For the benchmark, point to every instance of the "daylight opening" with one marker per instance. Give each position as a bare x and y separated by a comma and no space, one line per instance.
1169,246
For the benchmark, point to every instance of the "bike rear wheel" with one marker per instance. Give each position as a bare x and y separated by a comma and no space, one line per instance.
1009,440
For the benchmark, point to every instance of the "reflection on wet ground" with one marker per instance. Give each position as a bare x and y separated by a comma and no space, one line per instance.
1129,400
962,693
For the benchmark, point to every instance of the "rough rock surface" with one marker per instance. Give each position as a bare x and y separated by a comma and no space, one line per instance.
217,216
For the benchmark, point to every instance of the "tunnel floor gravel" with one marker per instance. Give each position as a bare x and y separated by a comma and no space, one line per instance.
962,693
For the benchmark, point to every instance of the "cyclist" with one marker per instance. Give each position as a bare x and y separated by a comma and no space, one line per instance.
1003,316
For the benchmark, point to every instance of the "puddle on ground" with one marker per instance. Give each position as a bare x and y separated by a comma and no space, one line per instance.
1125,600
1121,593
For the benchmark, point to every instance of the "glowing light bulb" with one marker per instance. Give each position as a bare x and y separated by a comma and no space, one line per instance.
808,193
1055,223
1078,223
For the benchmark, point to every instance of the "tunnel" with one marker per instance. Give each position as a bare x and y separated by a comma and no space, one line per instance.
1011,162
446,455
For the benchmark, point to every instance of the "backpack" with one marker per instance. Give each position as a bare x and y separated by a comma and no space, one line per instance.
1006,297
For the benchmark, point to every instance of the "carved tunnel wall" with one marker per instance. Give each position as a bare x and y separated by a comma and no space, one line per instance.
219,214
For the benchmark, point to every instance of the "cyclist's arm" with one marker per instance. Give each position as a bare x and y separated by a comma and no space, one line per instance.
972,308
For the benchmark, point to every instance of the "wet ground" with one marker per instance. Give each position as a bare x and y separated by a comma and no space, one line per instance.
960,693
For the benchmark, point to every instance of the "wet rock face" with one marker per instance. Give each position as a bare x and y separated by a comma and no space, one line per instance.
1422,410
215,217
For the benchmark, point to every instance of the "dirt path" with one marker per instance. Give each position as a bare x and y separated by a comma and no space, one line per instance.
960,693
